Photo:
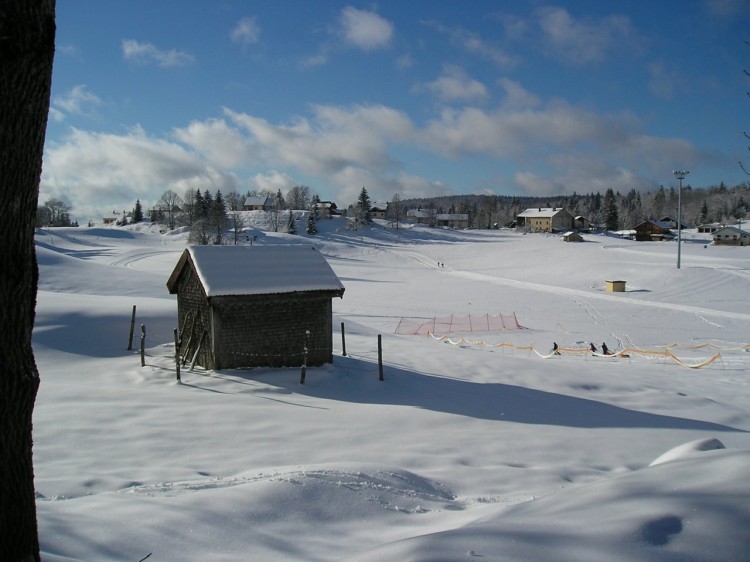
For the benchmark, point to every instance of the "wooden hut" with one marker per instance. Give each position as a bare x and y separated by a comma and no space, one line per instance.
253,306
653,230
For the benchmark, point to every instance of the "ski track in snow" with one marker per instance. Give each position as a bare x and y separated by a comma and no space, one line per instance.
393,490
580,294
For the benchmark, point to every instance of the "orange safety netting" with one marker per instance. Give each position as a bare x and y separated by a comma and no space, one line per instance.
624,353
452,323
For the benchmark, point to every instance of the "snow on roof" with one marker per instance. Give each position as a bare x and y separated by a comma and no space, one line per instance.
541,212
258,201
262,270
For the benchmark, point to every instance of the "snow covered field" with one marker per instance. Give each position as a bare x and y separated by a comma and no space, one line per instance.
467,450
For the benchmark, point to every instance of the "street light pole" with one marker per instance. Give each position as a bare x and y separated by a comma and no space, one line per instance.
680,175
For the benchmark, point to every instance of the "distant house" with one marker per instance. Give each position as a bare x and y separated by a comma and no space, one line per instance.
326,209
253,306
572,236
545,219
672,222
379,210
581,223
732,236
653,230
709,228
452,220
258,204
421,216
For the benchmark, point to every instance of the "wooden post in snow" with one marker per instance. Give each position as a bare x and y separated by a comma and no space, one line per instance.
303,372
380,357
343,340
132,327
177,353
143,345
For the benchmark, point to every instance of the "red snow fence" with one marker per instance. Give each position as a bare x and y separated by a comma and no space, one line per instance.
461,324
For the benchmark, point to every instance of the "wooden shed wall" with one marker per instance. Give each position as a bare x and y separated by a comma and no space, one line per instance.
194,317
269,330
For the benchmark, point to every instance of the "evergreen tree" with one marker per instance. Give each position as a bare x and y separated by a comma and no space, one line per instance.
312,218
660,200
137,211
611,216
704,216
200,210
218,218
363,212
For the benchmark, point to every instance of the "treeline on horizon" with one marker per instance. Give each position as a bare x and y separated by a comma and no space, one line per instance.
613,210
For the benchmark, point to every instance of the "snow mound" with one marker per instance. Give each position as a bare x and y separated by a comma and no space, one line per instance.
708,444
698,509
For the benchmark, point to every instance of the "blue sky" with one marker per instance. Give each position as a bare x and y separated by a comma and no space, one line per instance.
411,98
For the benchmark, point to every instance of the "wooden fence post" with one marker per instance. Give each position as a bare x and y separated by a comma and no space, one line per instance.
343,340
303,372
143,345
380,357
177,354
132,327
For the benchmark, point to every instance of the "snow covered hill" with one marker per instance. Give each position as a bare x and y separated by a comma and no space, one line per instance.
476,446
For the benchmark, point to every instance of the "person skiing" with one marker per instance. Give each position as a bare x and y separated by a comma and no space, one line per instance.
592,348
605,349
555,349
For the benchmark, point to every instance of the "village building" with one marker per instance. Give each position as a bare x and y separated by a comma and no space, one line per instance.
452,220
672,222
732,236
379,210
545,219
653,230
709,228
254,306
581,223
421,216
326,209
258,204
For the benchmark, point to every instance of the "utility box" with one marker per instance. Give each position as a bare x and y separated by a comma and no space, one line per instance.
615,286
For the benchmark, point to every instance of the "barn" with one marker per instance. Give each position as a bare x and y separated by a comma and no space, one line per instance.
254,306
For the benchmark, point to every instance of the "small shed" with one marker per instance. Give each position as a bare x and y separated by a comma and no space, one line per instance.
255,306
615,286
572,236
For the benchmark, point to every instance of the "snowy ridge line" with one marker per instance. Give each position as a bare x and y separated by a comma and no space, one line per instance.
623,353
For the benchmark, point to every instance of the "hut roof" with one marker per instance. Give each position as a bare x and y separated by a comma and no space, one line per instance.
258,270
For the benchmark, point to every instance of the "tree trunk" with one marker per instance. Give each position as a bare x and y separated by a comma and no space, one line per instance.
27,45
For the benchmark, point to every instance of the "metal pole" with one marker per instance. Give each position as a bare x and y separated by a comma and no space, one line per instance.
680,175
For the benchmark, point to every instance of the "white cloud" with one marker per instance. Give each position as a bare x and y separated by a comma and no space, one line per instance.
78,100
662,82
336,138
516,96
217,142
582,41
404,61
97,170
474,43
246,32
144,53
365,30
455,85
274,180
